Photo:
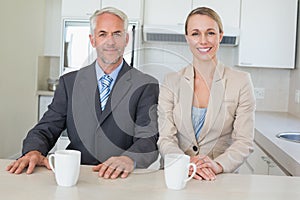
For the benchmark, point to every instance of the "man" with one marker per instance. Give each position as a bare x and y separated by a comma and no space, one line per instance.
108,109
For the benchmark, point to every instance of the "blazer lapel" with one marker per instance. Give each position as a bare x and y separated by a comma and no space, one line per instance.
186,101
120,89
215,100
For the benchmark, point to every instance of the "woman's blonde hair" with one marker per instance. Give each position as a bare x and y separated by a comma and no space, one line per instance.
205,11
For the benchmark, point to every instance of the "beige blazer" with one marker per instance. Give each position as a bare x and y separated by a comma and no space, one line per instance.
228,131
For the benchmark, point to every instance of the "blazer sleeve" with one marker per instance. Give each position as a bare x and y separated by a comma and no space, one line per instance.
243,130
43,136
168,141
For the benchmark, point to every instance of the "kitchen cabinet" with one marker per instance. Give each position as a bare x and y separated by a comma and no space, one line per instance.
268,33
44,101
133,8
228,10
52,28
79,8
166,12
260,163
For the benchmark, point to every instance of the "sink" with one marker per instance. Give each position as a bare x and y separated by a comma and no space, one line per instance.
290,136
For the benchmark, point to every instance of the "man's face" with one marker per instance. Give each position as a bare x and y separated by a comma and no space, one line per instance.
109,39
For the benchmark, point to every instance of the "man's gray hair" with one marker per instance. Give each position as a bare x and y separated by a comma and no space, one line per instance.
110,10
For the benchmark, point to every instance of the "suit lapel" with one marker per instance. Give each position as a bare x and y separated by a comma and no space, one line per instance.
83,105
215,100
120,89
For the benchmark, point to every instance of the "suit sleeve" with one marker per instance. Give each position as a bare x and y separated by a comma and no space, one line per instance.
243,130
144,149
44,135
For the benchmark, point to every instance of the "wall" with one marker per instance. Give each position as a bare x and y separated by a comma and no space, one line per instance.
295,81
21,40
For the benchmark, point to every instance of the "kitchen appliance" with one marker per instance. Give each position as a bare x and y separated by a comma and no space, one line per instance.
175,34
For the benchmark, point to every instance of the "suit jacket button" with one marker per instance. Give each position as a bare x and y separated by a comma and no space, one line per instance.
195,148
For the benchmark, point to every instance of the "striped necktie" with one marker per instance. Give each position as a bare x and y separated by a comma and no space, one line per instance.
105,82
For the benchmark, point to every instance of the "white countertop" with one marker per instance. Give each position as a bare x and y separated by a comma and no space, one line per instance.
286,153
143,186
45,93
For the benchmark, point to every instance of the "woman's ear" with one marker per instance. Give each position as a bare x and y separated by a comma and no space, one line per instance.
186,38
221,37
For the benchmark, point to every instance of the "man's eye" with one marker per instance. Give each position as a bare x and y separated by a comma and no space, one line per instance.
117,35
102,35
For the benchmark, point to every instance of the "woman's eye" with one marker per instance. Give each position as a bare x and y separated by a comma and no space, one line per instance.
195,34
211,33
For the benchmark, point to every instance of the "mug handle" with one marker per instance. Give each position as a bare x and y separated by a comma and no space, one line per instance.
51,159
194,171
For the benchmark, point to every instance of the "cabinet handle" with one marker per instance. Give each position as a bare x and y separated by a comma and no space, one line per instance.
269,162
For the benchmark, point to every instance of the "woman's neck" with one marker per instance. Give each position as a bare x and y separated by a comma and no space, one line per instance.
204,69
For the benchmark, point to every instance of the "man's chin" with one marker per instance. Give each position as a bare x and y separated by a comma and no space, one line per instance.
111,61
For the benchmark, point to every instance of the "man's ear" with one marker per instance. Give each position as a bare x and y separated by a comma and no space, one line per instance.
92,40
127,38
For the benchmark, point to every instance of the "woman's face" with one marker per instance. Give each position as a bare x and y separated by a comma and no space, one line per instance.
203,37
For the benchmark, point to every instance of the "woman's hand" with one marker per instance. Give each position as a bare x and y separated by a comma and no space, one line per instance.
206,168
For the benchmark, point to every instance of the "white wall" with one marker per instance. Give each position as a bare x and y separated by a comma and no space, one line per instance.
21,40
295,81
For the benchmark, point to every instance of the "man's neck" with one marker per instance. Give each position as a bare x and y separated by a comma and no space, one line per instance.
108,68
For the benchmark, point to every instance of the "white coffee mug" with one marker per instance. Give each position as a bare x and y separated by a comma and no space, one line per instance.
66,166
176,168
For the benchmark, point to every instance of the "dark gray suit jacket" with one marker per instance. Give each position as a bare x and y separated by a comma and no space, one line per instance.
127,126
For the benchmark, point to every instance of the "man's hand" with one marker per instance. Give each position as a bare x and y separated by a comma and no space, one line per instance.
30,160
115,167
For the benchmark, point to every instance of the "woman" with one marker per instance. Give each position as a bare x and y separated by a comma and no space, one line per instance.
206,110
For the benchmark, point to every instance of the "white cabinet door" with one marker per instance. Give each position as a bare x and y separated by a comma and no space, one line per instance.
228,10
133,8
246,168
52,28
44,101
79,8
268,33
276,171
259,163
166,12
